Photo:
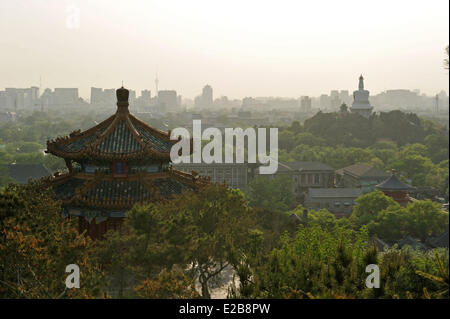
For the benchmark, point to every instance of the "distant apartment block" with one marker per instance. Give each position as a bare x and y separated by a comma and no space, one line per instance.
146,98
206,99
60,97
344,96
233,174
107,97
101,96
96,95
168,100
324,102
17,98
66,96
335,100
305,104
400,99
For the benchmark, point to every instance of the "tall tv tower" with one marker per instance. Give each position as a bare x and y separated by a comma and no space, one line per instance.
156,84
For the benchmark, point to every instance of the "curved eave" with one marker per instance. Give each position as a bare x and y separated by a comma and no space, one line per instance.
92,153
163,135
404,189
95,154
90,181
101,131
393,184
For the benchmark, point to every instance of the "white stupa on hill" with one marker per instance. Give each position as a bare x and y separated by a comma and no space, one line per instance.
361,104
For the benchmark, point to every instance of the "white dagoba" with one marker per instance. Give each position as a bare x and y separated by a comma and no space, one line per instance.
361,104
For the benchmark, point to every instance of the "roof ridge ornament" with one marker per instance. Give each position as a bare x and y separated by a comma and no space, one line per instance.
122,95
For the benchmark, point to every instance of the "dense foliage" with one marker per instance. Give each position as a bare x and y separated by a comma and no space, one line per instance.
182,248
318,262
36,245
201,233
185,247
418,149
275,194
392,222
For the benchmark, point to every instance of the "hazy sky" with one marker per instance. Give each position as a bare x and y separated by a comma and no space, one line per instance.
239,47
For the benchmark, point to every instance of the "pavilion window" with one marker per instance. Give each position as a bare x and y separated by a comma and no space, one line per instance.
119,168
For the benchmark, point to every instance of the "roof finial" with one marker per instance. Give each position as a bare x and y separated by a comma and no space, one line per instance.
122,99
122,83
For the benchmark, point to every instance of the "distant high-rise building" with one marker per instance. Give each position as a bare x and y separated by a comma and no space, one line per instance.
47,98
106,97
344,96
34,92
18,98
132,99
207,95
400,98
305,104
206,99
3,98
335,101
146,97
65,96
167,100
361,104
109,96
96,95
325,101
334,93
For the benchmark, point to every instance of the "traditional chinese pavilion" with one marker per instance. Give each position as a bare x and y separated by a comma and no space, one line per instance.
114,165
395,188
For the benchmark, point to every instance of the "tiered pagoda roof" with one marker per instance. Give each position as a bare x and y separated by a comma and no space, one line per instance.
120,137
104,192
93,188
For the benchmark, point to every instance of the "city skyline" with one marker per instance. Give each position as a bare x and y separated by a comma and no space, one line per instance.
149,92
240,49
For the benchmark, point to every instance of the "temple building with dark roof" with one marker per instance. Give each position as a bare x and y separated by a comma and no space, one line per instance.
114,165
395,188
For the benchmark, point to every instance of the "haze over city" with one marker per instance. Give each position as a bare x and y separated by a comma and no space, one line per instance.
247,150
251,48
